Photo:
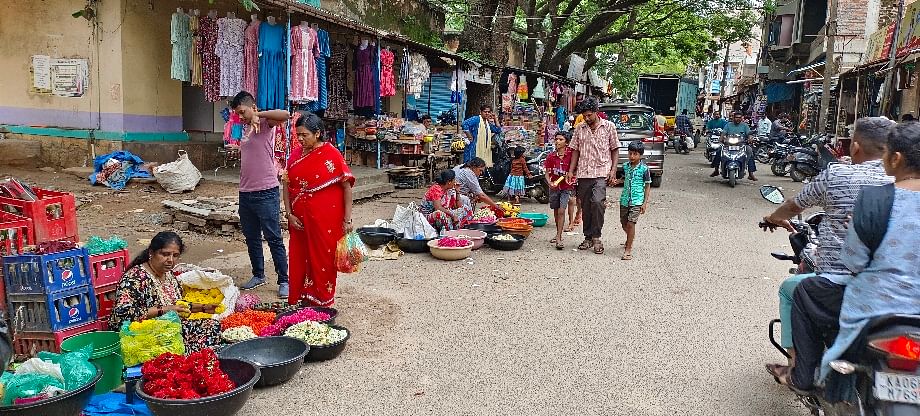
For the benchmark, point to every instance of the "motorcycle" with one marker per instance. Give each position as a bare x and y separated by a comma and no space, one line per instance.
680,143
734,159
713,144
808,161
779,164
762,145
879,374
494,177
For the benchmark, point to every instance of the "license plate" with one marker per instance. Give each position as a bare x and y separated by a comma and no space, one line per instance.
734,147
897,387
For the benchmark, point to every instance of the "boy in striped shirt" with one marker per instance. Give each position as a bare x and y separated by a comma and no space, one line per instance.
636,183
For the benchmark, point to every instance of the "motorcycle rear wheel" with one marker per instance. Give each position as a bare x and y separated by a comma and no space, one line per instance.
796,175
733,178
779,168
763,155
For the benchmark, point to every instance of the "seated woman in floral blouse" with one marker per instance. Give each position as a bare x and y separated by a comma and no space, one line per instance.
444,208
149,289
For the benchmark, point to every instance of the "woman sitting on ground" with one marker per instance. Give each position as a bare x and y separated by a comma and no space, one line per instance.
148,289
442,205
467,177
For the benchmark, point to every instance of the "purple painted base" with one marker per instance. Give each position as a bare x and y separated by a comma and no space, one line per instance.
89,120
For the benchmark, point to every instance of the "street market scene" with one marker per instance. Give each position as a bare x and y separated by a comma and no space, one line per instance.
653,207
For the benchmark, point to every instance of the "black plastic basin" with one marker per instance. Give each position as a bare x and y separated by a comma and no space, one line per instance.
71,403
328,352
413,246
244,373
279,358
377,236
506,245
486,228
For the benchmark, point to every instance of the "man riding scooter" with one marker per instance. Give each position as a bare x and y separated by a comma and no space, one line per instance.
740,128
810,304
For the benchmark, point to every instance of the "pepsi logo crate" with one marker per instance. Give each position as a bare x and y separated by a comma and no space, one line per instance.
15,234
53,311
46,273
53,215
29,344
107,268
105,301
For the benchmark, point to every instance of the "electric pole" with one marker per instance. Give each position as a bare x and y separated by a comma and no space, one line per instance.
830,67
892,58
723,87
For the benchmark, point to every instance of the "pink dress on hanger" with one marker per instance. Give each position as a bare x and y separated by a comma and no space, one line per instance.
251,59
310,53
387,80
298,92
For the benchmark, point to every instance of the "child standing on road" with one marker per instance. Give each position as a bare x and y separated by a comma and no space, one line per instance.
561,198
514,185
636,182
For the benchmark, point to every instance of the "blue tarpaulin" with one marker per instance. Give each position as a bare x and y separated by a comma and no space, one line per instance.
777,92
116,169
114,404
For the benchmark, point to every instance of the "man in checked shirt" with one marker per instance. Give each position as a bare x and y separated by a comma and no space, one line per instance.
595,149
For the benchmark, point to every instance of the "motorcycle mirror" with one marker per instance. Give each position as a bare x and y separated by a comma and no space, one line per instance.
772,193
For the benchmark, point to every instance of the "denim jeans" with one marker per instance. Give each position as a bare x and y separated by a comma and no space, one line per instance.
751,162
786,290
260,214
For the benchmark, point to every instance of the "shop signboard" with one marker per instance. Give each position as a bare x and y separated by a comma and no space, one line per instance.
909,38
879,44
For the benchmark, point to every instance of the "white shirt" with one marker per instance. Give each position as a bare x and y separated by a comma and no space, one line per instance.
764,126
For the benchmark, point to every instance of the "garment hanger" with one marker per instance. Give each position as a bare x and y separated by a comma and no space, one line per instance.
212,14
254,17
180,10
196,12
364,43
231,15
271,20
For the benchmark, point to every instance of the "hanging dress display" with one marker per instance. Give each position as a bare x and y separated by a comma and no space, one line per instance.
210,64
304,50
194,55
364,77
419,72
230,43
272,67
387,79
181,40
325,52
251,58
297,92
522,91
338,87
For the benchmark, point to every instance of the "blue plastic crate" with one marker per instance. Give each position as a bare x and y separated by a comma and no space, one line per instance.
53,311
46,273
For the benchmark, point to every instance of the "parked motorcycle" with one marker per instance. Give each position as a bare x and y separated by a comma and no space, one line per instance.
734,159
680,143
809,160
779,163
762,145
494,177
880,374
713,144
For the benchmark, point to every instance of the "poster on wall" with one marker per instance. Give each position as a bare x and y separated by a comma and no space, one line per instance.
910,33
69,77
41,74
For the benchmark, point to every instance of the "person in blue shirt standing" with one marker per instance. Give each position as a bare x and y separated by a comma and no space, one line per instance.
479,132
740,128
636,183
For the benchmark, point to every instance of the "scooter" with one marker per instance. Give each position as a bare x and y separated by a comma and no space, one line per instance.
734,159
880,374
680,143
762,145
494,177
808,161
713,144
779,163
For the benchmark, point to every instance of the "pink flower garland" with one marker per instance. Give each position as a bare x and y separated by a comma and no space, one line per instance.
286,321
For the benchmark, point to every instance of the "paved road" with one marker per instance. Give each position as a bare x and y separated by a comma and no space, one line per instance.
681,329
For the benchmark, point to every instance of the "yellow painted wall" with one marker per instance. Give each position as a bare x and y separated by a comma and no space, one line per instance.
146,58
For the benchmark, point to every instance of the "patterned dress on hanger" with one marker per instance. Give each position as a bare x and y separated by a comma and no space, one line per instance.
251,58
387,80
364,78
272,67
230,44
298,92
338,88
322,102
310,52
181,40
195,56
210,63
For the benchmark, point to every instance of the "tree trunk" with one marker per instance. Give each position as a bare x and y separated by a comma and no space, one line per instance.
487,36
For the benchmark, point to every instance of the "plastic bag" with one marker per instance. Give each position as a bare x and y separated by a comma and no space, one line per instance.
22,386
75,366
40,366
412,223
146,340
179,176
98,245
213,279
350,252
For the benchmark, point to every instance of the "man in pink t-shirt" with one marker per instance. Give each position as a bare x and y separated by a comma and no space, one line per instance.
260,198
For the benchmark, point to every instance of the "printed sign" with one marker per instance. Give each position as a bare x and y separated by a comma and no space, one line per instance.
69,77
41,74
909,38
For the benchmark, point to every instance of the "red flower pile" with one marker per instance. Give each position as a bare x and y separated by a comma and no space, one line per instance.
256,320
172,376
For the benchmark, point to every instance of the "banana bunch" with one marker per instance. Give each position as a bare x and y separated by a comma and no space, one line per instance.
510,210
458,145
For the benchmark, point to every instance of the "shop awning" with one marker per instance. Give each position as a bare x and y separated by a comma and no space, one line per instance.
806,68
322,15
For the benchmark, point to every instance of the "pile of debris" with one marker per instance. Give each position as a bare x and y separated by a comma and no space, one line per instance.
205,215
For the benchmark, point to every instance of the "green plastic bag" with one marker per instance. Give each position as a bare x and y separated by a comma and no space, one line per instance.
75,366
98,245
23,386
146,340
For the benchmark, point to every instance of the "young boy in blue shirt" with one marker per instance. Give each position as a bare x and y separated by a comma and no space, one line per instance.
636,181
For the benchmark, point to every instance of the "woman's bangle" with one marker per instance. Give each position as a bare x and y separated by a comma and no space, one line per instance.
159,311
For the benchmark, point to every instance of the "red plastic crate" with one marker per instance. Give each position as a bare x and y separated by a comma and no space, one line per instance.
105,302
28,344
54,215
107,268
15,233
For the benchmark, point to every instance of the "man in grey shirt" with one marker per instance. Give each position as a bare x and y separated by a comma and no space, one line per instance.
468,179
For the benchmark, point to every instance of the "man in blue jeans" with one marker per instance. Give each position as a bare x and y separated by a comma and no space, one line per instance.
260,198
740,128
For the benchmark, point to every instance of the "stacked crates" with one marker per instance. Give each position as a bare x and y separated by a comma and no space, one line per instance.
106,270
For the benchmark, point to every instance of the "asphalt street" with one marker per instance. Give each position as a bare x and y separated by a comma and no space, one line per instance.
679,330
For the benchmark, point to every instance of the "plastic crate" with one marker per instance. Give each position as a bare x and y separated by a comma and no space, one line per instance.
28,344
106,269
53,215
15,233
105,301
46,273
54,311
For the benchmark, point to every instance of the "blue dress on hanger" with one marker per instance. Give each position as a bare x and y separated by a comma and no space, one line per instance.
325,52
272,78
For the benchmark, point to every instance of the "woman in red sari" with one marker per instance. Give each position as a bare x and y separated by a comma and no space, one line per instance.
317,199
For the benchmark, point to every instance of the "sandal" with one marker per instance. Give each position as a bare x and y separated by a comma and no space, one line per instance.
598,248
779,372
553,240
626,256
569,228
586,245
559,245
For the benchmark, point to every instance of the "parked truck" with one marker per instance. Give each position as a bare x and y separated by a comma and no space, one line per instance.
669,94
